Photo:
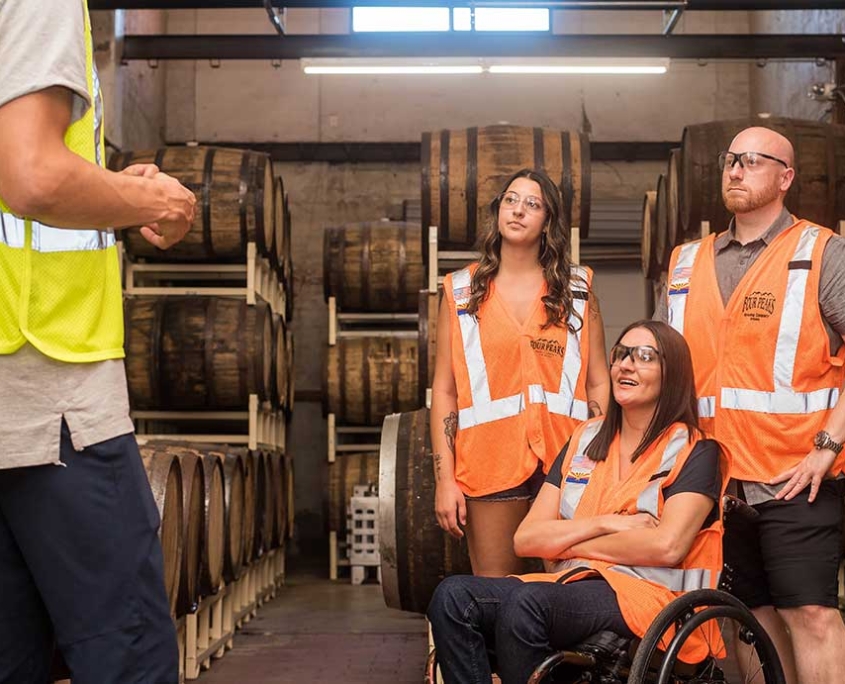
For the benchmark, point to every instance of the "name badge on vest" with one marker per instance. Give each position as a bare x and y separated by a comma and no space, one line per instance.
679,282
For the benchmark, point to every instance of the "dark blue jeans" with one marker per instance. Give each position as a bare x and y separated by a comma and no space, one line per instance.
520,623
81,566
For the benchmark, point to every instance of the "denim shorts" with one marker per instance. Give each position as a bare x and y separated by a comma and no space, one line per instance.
527,491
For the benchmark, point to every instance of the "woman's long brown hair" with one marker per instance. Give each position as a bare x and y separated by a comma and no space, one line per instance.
676,402
554,255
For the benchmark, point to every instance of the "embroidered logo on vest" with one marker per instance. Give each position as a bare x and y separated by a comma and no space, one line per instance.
547,347
758,305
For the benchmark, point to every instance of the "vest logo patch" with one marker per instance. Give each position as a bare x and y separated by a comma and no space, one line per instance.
679,282
461,295
547,347
580,470
758,305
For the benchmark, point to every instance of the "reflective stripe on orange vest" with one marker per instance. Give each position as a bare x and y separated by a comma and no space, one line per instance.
678,285
484,409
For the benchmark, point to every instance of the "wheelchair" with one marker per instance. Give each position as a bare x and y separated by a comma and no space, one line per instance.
607,658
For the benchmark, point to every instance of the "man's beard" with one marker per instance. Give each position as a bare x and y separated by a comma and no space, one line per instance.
750,200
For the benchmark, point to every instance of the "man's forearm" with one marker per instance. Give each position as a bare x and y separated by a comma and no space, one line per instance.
74,193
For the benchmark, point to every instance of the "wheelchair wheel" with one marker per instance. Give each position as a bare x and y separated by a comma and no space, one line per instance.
656,660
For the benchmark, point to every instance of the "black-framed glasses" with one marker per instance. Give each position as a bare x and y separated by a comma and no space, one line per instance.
746,160
532,203
641,355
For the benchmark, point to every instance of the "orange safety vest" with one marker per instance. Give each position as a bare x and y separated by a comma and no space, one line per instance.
522,390
590,488
765,378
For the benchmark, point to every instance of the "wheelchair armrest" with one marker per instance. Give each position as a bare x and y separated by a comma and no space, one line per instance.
731,505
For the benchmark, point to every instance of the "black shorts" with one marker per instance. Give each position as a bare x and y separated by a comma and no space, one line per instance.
789,556
528,490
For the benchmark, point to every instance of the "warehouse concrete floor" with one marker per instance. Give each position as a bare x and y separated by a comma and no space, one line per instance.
318,631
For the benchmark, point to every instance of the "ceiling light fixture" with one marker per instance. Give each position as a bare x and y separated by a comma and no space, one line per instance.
447,66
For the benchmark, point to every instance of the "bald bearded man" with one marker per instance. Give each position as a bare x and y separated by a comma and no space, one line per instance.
762,306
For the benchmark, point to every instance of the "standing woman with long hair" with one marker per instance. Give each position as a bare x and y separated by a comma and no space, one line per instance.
520,364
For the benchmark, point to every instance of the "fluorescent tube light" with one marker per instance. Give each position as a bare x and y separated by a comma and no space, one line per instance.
576,69
390,66
392,69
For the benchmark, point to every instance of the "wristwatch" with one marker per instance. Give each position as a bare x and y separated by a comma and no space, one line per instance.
822,440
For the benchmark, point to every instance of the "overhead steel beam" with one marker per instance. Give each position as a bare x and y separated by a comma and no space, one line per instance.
689,46
688,5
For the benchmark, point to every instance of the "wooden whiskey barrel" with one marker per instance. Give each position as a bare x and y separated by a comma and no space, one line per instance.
375,266
817,193
429,306
166,483
650,261
368,377
250,504
280,504
348,471
197,352
280,373
213,554
663,250
263,533
193,529
233,497
289,350
234,190
289,499
415,553
277,255
463,170
287,269
674,230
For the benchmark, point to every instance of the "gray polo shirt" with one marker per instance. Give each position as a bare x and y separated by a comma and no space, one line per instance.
41,46
733,260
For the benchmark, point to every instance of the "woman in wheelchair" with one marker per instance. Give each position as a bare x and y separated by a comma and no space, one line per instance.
627,520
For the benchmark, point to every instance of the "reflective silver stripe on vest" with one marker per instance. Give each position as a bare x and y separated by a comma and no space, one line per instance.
706,407
571,492
49,239
677,287
674,579
785,399
564,402
486,410
649,499
483,409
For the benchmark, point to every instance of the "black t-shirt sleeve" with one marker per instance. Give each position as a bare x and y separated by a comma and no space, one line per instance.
701,474
555,476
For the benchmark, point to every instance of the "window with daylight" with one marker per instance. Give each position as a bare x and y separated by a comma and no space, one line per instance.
372,19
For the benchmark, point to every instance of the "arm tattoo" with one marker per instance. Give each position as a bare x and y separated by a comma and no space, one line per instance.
451,429
594,408
595,308
437,460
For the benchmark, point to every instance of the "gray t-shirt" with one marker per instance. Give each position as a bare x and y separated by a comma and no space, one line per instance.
733,261
42,44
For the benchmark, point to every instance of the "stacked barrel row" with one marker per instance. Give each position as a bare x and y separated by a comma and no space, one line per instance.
221,509
195,361
690,192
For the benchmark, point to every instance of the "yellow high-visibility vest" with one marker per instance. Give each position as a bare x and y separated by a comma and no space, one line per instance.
59,288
